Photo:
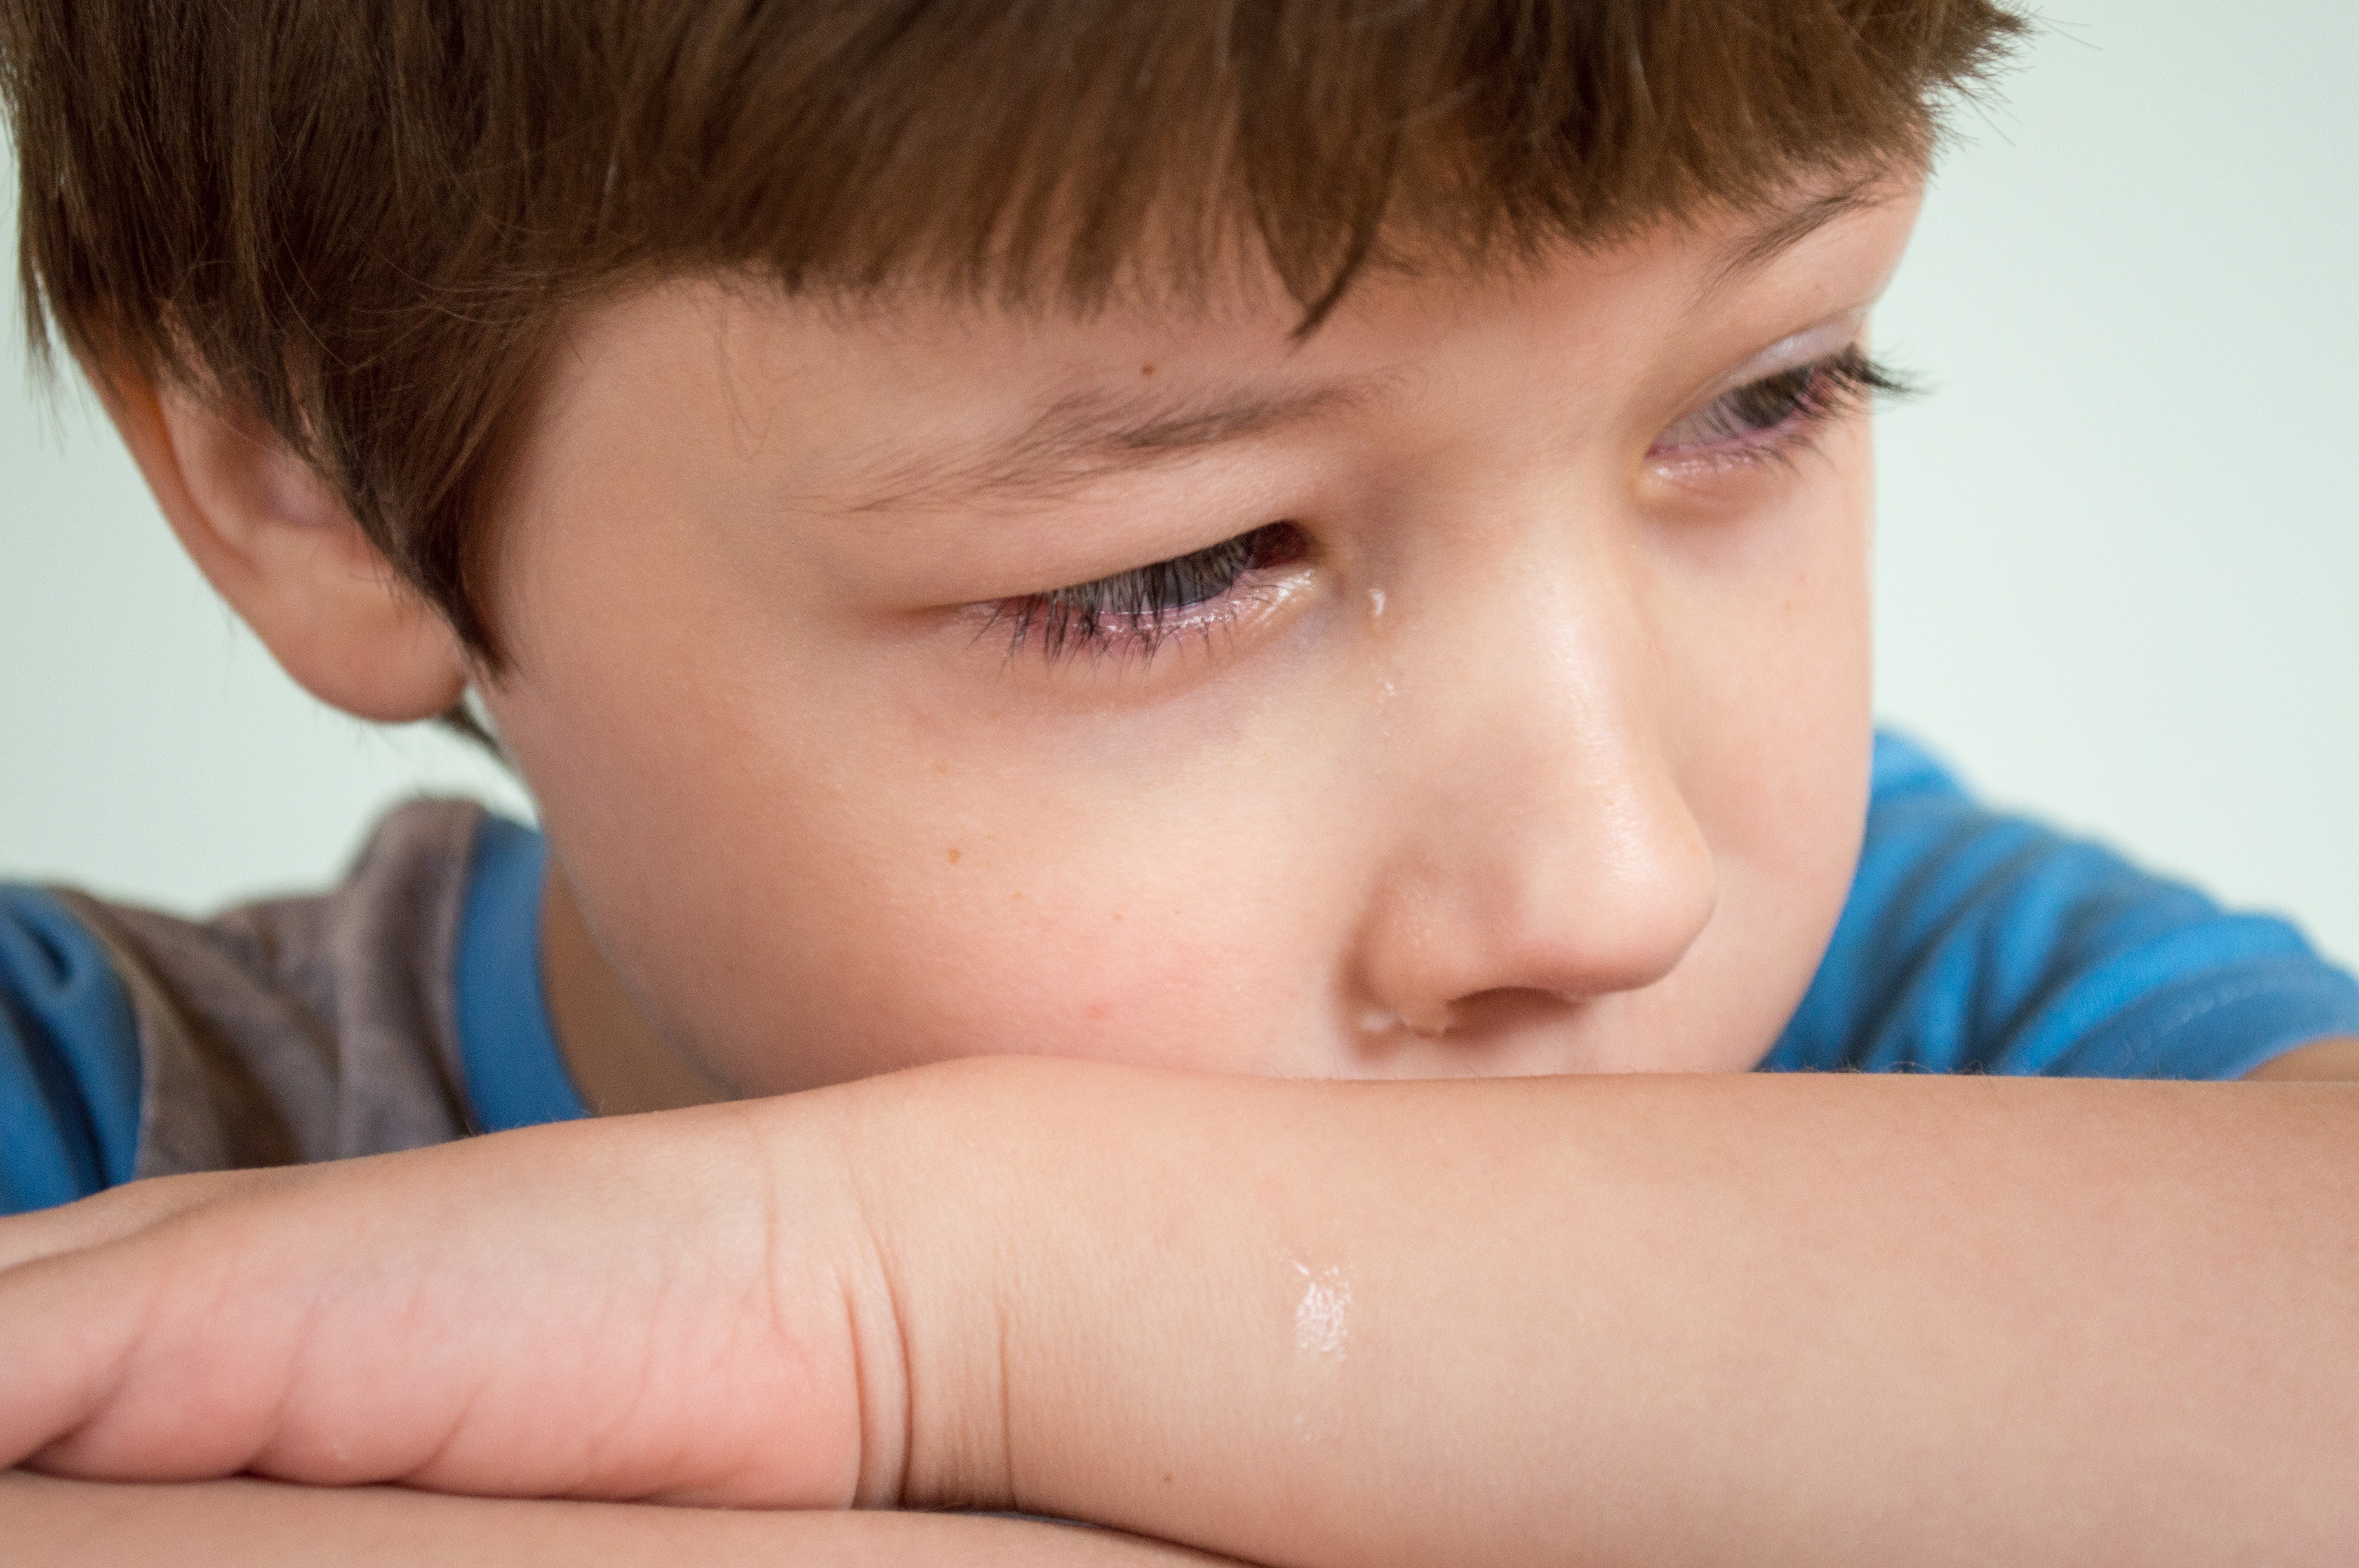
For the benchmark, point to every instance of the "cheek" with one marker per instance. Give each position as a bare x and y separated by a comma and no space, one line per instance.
810,872
1776,726
814,936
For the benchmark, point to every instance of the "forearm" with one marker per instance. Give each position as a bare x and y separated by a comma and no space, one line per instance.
1835,1320
261,1524
1653,1320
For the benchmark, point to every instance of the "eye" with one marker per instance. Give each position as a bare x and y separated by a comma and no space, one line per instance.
1136,610
1771,417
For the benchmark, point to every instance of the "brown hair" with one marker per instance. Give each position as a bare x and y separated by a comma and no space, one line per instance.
364,218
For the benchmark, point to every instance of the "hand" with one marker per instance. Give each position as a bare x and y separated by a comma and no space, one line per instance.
680,1307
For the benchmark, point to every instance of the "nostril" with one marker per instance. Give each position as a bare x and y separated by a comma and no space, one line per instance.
1508,1011
1429,1022
1425,1023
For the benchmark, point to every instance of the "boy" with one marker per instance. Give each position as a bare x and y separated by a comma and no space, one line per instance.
1307,541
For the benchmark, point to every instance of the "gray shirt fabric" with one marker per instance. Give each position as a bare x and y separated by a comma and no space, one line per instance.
304,1029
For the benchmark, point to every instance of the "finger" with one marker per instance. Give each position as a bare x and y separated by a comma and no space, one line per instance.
218,1340
66,1323
117,1213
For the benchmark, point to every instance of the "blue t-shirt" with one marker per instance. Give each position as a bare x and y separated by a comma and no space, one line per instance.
1972,942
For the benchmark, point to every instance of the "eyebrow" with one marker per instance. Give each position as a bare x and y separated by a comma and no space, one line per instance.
1788,227
1088,435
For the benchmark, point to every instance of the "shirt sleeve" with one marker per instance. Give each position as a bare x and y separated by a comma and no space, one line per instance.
69,1059
1974,942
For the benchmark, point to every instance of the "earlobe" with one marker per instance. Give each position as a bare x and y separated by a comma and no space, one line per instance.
275,542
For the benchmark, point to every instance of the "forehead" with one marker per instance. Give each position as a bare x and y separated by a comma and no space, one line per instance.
915,403
1127,370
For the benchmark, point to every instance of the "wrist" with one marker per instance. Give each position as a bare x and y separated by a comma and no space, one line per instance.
1007,1205
1074,1257
929,1237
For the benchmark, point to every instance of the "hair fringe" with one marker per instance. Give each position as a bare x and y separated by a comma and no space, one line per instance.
365,219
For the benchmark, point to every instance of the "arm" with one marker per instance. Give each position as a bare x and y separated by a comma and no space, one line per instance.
1834,1320
261,1524
1840,1319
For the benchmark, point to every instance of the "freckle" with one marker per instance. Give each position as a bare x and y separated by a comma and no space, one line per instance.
954,855
1147,369
943,769
1167,1479
1097,1010
1117,917
1015,898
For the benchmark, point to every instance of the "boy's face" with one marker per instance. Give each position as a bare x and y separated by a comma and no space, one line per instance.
1525,728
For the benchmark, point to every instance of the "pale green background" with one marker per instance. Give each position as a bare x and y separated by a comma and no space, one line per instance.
2117,566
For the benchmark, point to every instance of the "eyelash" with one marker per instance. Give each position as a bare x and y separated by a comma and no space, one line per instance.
1137,612
1771,419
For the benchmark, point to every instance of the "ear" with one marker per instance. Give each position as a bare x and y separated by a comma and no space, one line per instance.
275,542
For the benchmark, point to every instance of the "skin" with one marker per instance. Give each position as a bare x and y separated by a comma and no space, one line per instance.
258,1524
1550,758
1582,797
1546,756
1705,1318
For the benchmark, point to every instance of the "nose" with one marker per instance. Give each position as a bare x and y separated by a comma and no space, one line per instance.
1545,846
